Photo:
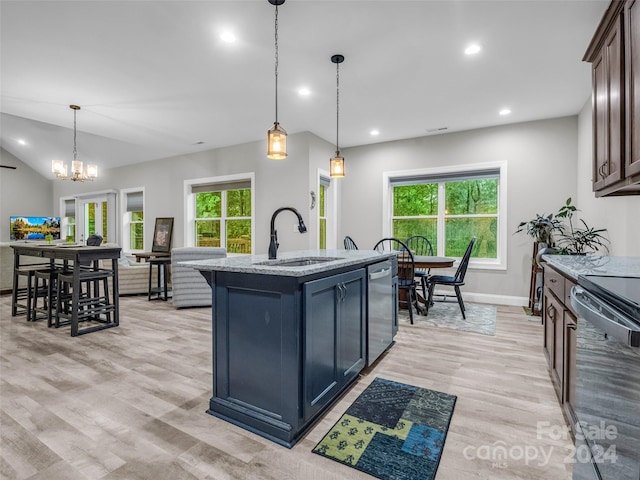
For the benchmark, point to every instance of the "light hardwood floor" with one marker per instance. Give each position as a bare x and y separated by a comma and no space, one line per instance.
129,402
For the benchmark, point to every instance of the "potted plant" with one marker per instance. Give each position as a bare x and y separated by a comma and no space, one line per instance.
579,240
541,228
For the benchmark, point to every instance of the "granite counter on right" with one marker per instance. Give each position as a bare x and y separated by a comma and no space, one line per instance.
573,265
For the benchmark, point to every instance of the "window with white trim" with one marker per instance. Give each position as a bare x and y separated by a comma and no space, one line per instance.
68,221
450,207
223,214
133,218
323,212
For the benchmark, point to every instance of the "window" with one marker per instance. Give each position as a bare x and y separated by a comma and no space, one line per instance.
133,220
68,221
322,212
222,213
450,207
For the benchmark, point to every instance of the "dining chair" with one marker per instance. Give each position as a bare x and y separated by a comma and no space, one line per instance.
455,281
406,269
349,244
420,245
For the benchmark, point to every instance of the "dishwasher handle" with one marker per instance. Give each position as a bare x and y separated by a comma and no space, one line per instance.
380,274
603,316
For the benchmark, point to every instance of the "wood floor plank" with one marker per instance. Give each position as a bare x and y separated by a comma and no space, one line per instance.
130,402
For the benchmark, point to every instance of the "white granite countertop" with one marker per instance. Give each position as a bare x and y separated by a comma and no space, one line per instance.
574,265
260,264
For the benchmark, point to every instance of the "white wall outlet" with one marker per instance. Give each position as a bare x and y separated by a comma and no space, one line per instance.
295,228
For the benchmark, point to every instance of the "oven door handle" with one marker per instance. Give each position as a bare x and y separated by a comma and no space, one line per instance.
603,316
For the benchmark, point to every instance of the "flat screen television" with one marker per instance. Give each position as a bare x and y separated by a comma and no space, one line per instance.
34,228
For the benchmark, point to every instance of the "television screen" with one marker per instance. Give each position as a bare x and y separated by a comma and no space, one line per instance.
34,228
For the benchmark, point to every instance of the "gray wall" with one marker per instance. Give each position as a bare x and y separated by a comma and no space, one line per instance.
548,161
277,184
541,164
24,192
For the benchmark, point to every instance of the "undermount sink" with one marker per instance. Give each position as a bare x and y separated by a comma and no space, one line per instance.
297,262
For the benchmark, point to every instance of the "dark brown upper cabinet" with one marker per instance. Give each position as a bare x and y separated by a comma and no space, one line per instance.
614,53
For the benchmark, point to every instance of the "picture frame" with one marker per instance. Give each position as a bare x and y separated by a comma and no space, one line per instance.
162,234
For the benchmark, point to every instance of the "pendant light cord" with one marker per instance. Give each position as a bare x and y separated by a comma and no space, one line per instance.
75,150
337,105
276,41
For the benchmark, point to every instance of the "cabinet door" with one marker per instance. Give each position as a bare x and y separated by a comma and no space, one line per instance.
351,323
608,113
569,381
554,339
632,65
334,332
549,325
321,373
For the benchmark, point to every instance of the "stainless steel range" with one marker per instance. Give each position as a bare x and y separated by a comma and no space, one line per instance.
607,378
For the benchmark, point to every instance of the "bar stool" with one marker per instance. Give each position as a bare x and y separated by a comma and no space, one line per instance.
45,294
94,301
22,296
162,287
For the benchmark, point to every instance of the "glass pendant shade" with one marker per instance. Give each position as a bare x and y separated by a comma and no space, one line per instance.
277,143
92,171
336,168
59,168
76,167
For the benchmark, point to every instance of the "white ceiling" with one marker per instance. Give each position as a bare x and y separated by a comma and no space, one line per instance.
153,78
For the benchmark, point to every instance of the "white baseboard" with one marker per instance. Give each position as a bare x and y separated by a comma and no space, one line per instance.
488,298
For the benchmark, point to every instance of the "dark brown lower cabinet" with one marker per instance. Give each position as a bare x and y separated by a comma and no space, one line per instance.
560,339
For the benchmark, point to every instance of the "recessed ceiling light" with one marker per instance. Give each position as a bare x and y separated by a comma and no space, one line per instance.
505,111
472,49
228,37
373,133
304,91
22,142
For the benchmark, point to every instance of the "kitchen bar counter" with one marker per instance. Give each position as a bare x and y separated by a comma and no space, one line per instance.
260,264
573,265
288,340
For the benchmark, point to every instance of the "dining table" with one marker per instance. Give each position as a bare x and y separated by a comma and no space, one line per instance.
77,255
426,262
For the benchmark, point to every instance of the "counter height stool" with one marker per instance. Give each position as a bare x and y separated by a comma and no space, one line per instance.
93,301
43,294
22,296
161,290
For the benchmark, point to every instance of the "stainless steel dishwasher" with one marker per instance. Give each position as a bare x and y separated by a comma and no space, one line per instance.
381,309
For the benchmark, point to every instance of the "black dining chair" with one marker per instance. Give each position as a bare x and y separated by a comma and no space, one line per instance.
349,244
406,269
420,245
456,281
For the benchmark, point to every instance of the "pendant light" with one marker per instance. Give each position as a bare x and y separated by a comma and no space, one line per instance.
78,174
276,136
336,168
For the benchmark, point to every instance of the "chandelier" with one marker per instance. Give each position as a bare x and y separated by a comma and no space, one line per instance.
276,136
78,173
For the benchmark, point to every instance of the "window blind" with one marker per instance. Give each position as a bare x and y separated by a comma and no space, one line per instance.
69,208
135,202
220,186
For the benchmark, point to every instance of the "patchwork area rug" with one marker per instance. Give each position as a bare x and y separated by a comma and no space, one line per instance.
392,431
480,318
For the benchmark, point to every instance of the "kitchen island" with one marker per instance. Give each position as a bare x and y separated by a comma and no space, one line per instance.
289,335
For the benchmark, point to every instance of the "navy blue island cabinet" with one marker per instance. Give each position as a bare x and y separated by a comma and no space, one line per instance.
286,347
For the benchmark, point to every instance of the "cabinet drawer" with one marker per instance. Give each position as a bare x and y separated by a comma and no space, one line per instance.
554,282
